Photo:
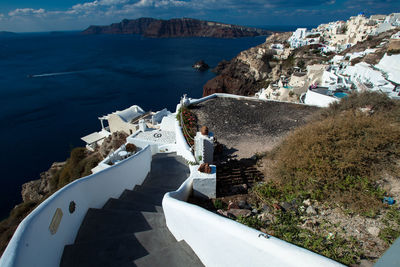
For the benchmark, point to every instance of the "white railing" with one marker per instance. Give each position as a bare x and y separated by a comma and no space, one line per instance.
34,245
219,241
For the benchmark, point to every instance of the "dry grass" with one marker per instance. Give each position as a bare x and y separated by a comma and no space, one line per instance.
338,157
9,225
78,165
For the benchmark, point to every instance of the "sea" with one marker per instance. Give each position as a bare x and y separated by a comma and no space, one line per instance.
54,86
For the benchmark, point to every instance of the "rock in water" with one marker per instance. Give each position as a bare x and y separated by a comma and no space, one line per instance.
201,65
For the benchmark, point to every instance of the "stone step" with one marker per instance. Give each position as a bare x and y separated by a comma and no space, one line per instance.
134,196
155,239
167,170
152,189
117,251
101,223
176,255
118,204
132,228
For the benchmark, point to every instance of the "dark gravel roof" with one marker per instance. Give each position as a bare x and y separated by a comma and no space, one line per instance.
234,121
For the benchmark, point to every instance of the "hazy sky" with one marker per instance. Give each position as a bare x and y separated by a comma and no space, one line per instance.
50,15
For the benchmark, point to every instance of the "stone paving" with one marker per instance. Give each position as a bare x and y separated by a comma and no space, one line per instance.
246,127
157,136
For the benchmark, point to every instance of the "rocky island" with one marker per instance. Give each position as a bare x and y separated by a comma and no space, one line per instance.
201,65
183,27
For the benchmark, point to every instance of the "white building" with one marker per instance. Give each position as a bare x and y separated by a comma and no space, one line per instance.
390,65
393,19
277,46
124,120
302,37
367,78
129,120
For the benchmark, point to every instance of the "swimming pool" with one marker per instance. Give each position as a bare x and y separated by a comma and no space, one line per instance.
340,95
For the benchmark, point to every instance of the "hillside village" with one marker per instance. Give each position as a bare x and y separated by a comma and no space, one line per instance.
317,66
356,55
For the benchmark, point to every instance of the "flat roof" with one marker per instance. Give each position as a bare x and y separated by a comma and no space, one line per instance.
94,137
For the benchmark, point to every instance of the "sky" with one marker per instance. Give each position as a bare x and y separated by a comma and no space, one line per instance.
60,15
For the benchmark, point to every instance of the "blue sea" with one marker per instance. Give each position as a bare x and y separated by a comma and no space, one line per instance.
54,86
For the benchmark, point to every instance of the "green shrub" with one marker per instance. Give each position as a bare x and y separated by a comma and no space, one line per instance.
389,235
251,221
287,227
219,204
131,148
393,52
301,64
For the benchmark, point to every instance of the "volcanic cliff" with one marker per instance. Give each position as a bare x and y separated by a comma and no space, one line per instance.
246,73
184,27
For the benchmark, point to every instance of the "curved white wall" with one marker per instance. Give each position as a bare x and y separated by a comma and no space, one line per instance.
320,100
34,245
182,147
219,241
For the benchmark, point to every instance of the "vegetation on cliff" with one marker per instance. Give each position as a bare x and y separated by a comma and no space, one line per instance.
339,164
330,186
77,165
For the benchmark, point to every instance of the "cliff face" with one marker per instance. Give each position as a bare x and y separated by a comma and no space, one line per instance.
185,27
249,71
243,73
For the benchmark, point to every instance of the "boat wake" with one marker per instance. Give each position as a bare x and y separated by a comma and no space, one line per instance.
51,74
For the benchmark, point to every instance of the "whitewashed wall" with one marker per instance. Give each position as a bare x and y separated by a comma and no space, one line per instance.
34,245
320,100
219,241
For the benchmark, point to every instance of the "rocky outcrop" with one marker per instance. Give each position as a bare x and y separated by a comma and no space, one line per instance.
200,65
241,74
184,27
37,190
